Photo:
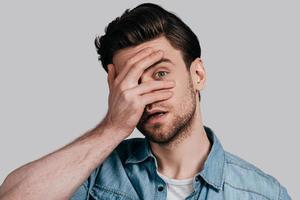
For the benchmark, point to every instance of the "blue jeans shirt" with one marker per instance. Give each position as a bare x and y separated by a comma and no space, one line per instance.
129,172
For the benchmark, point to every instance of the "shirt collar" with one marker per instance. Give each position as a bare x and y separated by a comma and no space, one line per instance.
213,169
139,152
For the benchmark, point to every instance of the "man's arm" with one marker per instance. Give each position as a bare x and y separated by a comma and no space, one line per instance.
59,174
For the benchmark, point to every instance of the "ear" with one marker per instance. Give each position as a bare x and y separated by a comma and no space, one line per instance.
198,74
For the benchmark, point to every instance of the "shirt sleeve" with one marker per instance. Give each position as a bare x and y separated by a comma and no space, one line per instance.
83,192
283,195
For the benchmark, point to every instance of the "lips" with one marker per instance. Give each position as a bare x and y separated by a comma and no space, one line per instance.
153,112
156,114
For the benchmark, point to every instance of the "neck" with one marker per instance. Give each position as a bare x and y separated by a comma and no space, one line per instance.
185,156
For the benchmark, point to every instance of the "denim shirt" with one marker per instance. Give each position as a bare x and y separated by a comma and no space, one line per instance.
129,172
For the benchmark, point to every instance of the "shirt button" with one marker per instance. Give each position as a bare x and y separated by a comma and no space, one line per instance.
160,188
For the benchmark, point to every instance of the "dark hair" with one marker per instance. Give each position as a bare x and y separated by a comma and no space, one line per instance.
144,23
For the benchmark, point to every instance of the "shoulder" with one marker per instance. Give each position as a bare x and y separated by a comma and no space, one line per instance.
114,163
244,176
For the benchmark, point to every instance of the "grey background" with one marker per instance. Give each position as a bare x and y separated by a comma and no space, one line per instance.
53,89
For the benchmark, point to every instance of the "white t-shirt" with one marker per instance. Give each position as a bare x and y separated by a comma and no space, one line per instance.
177,189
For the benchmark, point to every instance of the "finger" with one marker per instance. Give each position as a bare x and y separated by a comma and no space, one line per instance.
136,71
130,62
156,96
150,86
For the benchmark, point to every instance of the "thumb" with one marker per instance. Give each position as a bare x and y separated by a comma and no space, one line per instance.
110,75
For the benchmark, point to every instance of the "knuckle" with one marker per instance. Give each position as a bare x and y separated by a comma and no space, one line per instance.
126,95
148,50
122,88
153,54
135,66
156,54
129,62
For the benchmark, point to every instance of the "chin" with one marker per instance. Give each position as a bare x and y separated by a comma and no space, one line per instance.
157,133
160,138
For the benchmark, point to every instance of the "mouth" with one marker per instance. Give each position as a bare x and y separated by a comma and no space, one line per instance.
156,117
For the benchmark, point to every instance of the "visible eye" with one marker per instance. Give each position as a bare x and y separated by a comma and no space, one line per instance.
160,74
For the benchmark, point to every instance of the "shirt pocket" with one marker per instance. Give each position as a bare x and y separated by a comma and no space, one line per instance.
99,192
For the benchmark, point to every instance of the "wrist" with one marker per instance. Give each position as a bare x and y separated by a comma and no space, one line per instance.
107,128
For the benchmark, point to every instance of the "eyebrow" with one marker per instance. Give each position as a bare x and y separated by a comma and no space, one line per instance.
166,60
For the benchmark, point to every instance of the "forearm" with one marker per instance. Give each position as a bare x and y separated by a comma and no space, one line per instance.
59,174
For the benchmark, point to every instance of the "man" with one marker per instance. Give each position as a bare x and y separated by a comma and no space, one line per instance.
155,74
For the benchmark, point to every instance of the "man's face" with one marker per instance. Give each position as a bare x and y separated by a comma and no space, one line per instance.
180,107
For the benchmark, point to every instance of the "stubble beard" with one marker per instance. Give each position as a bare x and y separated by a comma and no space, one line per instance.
178,127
